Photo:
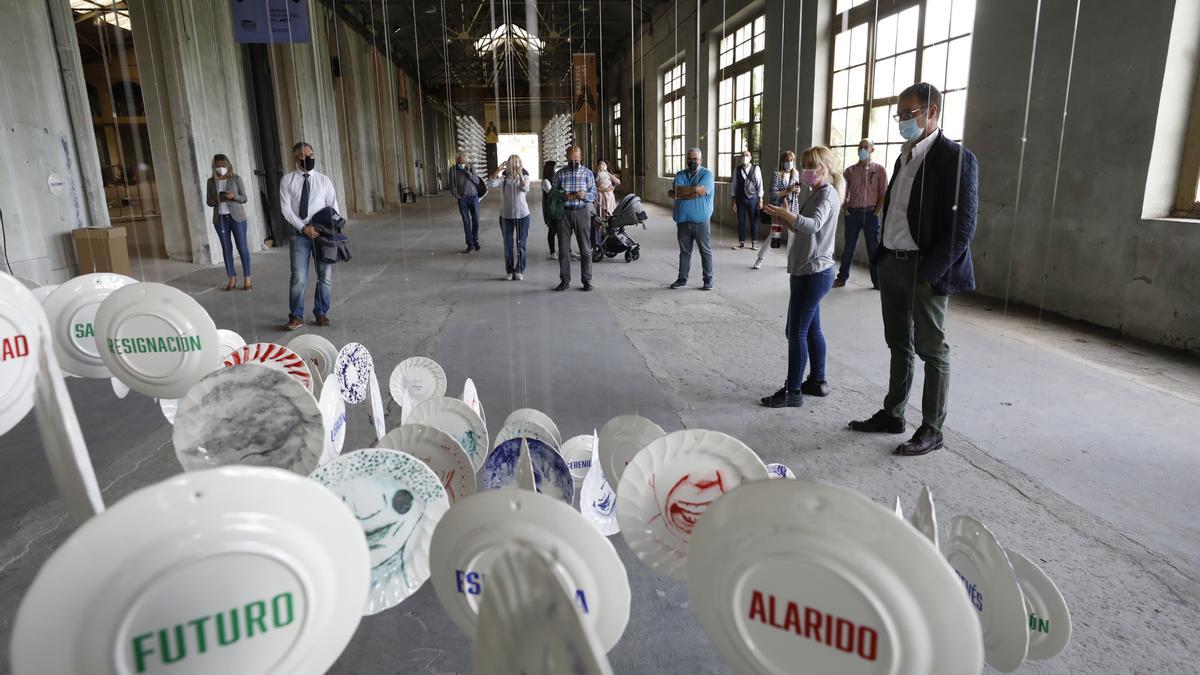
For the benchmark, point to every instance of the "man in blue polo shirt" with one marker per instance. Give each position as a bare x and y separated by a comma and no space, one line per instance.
693,210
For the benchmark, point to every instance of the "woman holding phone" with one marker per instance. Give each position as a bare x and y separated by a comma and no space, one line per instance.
514,214
226,195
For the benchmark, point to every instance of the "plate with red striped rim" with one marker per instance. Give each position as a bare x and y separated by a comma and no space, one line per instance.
273,356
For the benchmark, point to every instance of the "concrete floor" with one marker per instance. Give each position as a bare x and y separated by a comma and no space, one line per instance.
1077,450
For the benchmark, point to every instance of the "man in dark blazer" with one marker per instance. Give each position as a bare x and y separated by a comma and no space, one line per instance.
924,257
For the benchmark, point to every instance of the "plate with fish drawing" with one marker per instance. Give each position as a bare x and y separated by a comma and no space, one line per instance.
457,419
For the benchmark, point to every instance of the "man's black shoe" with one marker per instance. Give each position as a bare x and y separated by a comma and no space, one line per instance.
925,441
679,283
562,286
880,423
814,388
784,399
587,285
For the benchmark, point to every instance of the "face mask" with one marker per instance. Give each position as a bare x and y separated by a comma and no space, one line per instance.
809,177
910,130
787,166
573,164
308,163
693,165
864,154
745,161
221,170
461,166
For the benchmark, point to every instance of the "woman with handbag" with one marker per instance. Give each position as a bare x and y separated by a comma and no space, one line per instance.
226,194
785,192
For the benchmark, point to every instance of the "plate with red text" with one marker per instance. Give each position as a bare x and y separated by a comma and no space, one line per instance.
22,322
790,576
273,356
670,484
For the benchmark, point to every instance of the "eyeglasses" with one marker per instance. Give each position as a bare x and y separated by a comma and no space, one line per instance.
909,114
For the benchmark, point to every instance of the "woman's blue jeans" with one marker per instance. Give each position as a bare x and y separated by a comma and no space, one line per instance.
230,231
514,261
806,342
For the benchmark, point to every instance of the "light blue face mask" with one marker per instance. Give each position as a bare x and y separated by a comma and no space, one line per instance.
910,130
864,154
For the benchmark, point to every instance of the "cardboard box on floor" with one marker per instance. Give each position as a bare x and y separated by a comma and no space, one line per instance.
101,249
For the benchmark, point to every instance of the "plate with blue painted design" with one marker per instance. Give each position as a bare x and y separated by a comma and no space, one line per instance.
597,498
777,470
352,370
457,419
398,500
550,472
990,583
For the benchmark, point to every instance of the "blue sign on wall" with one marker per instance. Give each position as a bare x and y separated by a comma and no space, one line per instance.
270,21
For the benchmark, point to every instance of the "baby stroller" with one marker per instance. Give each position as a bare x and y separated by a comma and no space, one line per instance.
609,236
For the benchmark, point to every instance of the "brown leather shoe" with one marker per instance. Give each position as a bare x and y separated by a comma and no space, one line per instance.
322,320
293,323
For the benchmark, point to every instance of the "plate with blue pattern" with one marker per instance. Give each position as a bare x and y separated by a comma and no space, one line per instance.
398,500
550,472
353,370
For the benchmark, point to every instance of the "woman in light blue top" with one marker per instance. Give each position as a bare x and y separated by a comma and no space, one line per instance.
810,264
514,214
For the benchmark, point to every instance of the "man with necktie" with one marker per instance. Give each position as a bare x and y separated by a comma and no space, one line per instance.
302,193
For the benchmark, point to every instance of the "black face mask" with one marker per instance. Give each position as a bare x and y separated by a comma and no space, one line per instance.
693,165
573,164
308,163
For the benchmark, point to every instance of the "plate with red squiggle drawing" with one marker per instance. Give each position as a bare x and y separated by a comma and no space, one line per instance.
273,356
669,485
440,451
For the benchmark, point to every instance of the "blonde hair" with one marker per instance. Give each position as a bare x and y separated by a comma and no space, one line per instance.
819,155
514,167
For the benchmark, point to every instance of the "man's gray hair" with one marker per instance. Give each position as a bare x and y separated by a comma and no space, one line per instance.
698,151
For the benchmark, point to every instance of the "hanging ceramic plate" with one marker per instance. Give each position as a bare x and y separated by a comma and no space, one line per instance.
780,471
378,417
249,414
537,417
273,356
792,576
156,339
333,421
670,484
71,309
457,419
621,438
200,553
43,292
169,408
352,370
318,352
523,428
991,586
419,378
229,341
119,388
1049,618
480,528
550,472
21,323
578,453
528,622
924,518
440,451
597,499
398,500
58,428
471,397
896,508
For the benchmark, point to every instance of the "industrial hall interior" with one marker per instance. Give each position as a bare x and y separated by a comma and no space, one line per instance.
593,337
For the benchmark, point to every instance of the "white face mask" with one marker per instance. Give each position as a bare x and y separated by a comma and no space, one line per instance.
787,166
745,161
221,170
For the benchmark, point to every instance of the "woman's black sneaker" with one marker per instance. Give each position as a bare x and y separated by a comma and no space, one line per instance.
784,399
814,388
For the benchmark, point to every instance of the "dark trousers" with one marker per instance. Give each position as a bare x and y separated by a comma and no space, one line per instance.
231,231
747,210
468,208
865,221
552,235
575,223
806,342
516,238
914,320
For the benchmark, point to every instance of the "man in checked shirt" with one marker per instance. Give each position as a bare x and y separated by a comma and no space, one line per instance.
577,181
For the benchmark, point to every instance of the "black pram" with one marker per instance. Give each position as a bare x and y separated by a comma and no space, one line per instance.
610,237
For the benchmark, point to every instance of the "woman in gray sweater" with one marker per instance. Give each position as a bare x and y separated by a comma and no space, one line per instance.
226,195
810,264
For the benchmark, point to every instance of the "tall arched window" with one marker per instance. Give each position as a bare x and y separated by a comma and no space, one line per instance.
127,99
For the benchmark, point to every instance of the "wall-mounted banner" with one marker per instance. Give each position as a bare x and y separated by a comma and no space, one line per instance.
491,123
583,74
270,21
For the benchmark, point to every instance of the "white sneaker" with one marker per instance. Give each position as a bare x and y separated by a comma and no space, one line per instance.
511,277
518,276
554,256
757,265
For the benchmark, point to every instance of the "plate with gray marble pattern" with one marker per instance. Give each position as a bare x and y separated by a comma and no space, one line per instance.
249,414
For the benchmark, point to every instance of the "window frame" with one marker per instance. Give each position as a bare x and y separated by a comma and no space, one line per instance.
674,101
617,121
745,66
870,14
1187,194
